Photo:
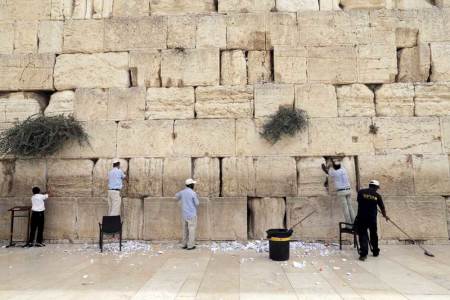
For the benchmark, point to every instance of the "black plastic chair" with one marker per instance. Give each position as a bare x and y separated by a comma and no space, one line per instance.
110,225
343,229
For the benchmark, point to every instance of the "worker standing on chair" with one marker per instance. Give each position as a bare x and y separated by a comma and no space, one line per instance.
115,184
366,219
189,205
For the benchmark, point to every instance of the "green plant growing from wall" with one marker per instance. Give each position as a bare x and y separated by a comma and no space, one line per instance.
41,135
286,121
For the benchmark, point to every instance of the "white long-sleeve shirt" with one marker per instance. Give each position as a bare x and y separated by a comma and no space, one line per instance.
37,202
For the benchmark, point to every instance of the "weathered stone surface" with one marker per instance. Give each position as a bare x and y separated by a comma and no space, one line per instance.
175,172
238,176
25,36
426,218
26,10
170,103
446,133
432,99
443,3
19,106
297,5
228,218
84,36
329,5
311,178
408,135
406,37
133,212
414,64
26,72
131,8
396,99
394,172
146,177
211,32
377,63
233,70
259,67
27,174
431,174
204,137
147,65
123,34
61,103
181,31
357,4
318,100
133,141
413,4
290,65
60,219
276,176
100,176
126,103
91,104
246,31
281,30
50,36
6,37
90,212
355,100
101,70
433,25
269,97
206,171
265,213
70,178
6,178
181,6
190,67
245,6
224,102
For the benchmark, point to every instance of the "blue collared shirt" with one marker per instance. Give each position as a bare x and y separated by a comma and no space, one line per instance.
115,178
189,203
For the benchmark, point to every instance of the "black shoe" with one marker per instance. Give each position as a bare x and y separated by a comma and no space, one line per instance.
375,254
40,245
192,248
362,257
27,245
184,247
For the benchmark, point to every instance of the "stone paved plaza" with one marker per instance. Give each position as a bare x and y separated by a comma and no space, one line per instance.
152,271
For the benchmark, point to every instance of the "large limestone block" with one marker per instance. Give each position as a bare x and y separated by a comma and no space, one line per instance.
146,177
131,8
90,212
297,5
133,214
61,103
290,65
406,37
6,179
338,136
276,176
318,100
396,99
26,10
433,25
190,67
26,72
394,172
84,36
206,171
358,4
91,104
28,174
224,102
259,67
211,32
333,64
122,34
181,31
250,142
233,70
265,214
443,3
26,36
355,100
422,218
70,178
431,174
6,37
204,137
228,218
101,70
377,63
100,176
238,176
413,4
446,133
246,31
281,30
175,172
322,225
126,104
19,106
169,7
50,36
408,135
414,64
145,67
133,138
269,97
329,5
245,6
170,103
311,177
432,99
60,219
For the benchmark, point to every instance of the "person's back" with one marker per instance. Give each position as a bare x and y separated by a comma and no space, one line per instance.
189,203
368,200
115,178
340,178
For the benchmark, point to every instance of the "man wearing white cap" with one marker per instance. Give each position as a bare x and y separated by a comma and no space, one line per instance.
115,184
189,204
366,219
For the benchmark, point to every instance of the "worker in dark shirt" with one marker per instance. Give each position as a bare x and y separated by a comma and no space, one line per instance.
366,219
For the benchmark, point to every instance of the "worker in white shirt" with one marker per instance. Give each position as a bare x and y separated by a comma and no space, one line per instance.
37,218
115,184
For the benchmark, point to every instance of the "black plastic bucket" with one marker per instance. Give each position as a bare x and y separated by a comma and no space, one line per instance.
279,243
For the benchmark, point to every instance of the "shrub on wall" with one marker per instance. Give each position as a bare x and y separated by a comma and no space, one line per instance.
286,121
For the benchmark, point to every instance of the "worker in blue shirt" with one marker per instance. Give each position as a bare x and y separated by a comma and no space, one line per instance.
115,184
189,204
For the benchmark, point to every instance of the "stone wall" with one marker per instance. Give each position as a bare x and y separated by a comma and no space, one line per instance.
179,88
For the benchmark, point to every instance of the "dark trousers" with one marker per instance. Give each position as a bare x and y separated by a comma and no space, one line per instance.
37,224
362,228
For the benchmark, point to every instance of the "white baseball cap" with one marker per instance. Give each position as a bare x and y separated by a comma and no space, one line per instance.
115,161
374,182
190,181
